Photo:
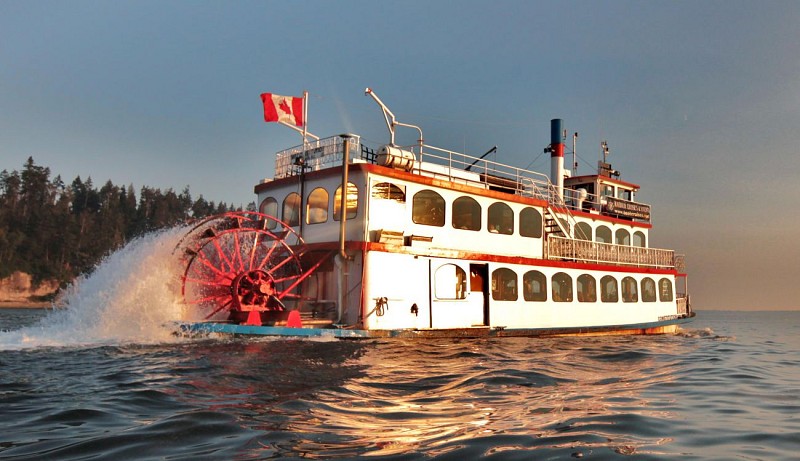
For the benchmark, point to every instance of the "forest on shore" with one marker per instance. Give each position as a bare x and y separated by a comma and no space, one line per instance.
55,231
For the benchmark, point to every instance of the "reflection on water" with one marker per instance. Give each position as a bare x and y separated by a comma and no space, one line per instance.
704,394
344,399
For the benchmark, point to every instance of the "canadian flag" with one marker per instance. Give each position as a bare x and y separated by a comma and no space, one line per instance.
288,109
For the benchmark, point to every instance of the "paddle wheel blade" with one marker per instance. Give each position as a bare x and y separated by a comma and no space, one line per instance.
239,265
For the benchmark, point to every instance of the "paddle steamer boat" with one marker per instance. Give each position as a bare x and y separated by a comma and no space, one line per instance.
356,241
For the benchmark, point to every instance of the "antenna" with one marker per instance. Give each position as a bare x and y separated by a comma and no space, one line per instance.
574,153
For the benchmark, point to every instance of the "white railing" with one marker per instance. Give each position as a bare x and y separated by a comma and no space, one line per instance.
319,154
608,253
487,173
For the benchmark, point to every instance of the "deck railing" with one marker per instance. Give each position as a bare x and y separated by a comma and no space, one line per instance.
487,172
608,253
314,155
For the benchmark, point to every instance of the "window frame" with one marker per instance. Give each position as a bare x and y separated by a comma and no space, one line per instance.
290,207
504,275
434,212
558,281
313,206
529,294
465,207
352,211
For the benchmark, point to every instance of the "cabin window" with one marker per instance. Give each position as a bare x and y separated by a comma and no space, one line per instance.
534,286
624,194
603,235
351,202
665,290
606,190
583,231
622,237
428,208
587,289
270,207
562,287
639,240
450,282
504,285
291,210
466,214
317,206
530,223
648,290
608,289
630,294
500,219
388,191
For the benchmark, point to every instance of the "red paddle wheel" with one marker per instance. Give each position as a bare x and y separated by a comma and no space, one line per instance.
239,264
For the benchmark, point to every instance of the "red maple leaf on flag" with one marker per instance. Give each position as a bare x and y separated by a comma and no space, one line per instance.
285,107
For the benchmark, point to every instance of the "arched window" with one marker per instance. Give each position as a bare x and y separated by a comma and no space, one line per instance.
608,289
450,282
466,214
639,240
622,237
587,289
428,208
388,191
603,235
648,290
534,286
665,290
562,287
500,219
583,231
317,206
530,223
504,285
270,207
630,293
351,202
291,210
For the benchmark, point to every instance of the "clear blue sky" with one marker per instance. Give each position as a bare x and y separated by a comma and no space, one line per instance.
699,101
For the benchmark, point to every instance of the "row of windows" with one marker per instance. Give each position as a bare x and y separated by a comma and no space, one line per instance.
429,209
450,282
317,206
534,288
603,234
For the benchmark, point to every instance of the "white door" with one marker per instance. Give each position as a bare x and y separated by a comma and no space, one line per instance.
453,303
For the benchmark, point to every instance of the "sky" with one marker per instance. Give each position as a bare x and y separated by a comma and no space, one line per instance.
699,102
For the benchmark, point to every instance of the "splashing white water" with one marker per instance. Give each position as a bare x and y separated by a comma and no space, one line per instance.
131,297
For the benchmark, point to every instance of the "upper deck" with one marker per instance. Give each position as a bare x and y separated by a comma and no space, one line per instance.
615,198
567,236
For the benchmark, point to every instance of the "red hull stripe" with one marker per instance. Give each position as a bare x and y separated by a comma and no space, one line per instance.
486,257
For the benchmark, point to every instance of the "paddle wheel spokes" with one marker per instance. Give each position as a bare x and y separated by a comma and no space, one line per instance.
238,263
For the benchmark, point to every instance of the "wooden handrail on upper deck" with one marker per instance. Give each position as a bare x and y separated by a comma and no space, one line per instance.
608,253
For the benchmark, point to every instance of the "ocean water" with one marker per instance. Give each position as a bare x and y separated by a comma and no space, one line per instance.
103,379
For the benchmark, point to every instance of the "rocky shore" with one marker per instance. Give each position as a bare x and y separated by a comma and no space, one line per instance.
18,291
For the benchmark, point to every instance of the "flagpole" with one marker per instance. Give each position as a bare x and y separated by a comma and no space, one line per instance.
305,116
303,163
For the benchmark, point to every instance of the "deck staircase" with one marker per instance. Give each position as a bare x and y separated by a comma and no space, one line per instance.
553,225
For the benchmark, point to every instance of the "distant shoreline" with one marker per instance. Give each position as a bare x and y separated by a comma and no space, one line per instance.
25,304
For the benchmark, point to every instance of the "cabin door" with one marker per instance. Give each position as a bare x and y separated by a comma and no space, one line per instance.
457,298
